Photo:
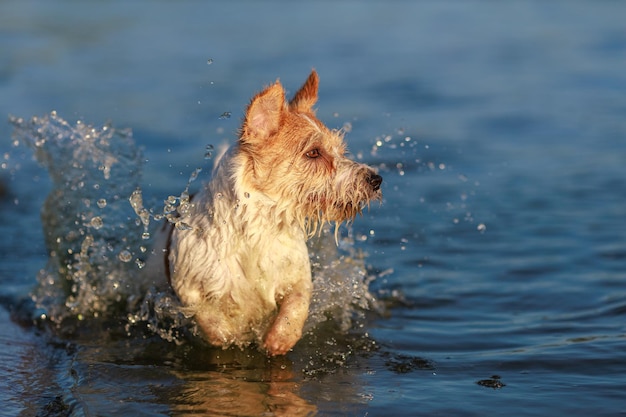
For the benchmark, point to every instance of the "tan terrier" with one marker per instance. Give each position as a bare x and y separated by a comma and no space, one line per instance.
241,263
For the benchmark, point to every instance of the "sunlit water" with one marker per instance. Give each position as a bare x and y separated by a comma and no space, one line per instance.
491,281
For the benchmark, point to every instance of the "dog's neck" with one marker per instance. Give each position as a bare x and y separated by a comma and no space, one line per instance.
240,204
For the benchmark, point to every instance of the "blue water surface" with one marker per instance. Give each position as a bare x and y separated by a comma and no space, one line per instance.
499,248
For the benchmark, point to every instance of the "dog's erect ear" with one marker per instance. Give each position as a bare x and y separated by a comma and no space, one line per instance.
264,114
306,96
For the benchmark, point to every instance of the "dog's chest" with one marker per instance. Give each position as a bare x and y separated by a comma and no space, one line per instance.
276,266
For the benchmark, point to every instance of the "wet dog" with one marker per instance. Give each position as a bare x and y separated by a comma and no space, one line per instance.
241,263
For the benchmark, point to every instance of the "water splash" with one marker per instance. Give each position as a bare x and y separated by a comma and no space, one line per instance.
97,229
340,282
86,226
175,209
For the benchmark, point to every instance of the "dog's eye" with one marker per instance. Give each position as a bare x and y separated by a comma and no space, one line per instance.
313,153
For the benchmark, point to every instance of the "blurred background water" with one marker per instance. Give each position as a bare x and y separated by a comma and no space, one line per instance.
500,245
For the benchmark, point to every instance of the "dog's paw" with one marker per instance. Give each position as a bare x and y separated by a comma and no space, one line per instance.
281,338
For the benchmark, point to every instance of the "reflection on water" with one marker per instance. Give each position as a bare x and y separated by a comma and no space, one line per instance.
100,371
241,384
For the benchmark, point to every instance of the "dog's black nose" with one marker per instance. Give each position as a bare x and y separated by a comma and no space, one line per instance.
375,180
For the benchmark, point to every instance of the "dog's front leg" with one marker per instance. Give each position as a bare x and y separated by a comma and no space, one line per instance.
287,327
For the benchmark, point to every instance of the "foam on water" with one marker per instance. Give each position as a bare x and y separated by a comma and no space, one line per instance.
97,233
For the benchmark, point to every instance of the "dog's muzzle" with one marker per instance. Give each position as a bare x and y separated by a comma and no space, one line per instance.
375,180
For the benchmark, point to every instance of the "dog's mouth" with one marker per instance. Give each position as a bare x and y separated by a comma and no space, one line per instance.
340,210
320,209
343,204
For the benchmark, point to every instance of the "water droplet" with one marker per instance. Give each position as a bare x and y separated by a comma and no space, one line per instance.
246,194
145,235
225,115
140,263
208,152
102,203
194,175
482,228
209,61
125,256
136,199
96,222
183,226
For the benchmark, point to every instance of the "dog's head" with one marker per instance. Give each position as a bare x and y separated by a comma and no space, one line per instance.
296,161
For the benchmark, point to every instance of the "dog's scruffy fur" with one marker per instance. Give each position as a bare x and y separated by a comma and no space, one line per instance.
242,267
